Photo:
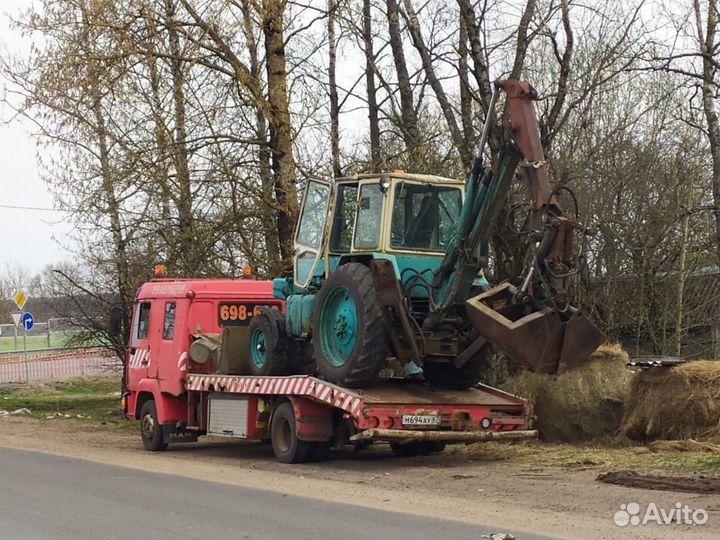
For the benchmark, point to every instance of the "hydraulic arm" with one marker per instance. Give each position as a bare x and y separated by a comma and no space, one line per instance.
535,323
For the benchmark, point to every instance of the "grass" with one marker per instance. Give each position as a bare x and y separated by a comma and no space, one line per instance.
614,454
58,340
95,400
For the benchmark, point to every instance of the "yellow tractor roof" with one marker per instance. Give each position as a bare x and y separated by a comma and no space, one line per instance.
425,178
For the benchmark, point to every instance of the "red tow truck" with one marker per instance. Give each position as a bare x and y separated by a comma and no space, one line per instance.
187,376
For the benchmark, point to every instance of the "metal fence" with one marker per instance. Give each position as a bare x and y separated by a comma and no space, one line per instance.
70,364
51,334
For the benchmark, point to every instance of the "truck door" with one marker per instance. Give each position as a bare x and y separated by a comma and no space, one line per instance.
139,353
170,345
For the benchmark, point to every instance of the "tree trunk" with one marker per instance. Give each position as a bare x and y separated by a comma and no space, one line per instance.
332,87
272,246
522,40
188,253
120,262
549,127
419,43
463,75
707,45
375,155
281,137
480,69
124,287
408,118
274,108
160,166
682,277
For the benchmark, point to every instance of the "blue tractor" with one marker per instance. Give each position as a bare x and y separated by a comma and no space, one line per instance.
389,267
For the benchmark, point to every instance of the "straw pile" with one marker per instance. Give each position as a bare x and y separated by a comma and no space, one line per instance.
682,402
583,404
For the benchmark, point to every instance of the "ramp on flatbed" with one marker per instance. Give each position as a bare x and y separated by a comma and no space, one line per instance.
391,392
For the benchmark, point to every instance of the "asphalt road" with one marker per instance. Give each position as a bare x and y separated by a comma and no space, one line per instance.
45,496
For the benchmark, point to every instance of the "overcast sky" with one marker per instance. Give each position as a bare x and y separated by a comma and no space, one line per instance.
31,238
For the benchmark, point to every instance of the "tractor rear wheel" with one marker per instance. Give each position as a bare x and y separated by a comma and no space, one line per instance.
448,375
349,338
267,343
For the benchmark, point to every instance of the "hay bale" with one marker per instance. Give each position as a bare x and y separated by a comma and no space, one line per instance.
583,404
680,402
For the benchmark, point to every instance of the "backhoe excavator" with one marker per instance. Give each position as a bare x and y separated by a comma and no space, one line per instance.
386,266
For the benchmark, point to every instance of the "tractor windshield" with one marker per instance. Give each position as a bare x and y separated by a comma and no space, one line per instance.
424,216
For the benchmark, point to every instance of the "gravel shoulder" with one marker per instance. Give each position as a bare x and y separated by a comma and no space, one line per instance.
493,485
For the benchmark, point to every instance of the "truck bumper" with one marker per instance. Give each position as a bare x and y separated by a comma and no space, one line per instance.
444,436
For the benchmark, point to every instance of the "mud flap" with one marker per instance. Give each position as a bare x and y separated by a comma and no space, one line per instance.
541,339
172,433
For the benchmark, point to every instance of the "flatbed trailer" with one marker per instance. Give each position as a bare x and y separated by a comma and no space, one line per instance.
178,395
412,416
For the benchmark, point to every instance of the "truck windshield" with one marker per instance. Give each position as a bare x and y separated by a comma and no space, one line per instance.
424,216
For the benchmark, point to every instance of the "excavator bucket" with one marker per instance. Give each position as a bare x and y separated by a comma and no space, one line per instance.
544,340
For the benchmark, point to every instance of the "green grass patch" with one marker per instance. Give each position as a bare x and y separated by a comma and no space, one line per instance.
95,400
58,340
610,454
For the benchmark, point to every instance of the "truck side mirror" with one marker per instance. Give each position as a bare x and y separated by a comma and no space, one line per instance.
116,318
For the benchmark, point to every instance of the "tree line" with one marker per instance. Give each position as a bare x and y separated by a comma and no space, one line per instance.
183,132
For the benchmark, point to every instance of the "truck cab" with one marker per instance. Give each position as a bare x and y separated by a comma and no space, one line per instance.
169,316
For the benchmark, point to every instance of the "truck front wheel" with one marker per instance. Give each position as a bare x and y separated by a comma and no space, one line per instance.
283,433
150,429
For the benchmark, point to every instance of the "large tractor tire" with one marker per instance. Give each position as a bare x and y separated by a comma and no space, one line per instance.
268,342
349,339
448,375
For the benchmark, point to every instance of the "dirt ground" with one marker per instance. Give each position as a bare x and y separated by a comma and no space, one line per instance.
698,484
479,486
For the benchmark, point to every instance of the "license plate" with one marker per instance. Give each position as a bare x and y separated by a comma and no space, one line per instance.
420,420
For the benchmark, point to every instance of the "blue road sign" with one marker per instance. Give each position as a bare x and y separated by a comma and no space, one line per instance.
28,321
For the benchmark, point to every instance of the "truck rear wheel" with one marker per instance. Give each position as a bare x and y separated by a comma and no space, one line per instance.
448,375
349,339
150,429
283,433
267,343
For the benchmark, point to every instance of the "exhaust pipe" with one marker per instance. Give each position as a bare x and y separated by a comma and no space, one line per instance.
543,340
